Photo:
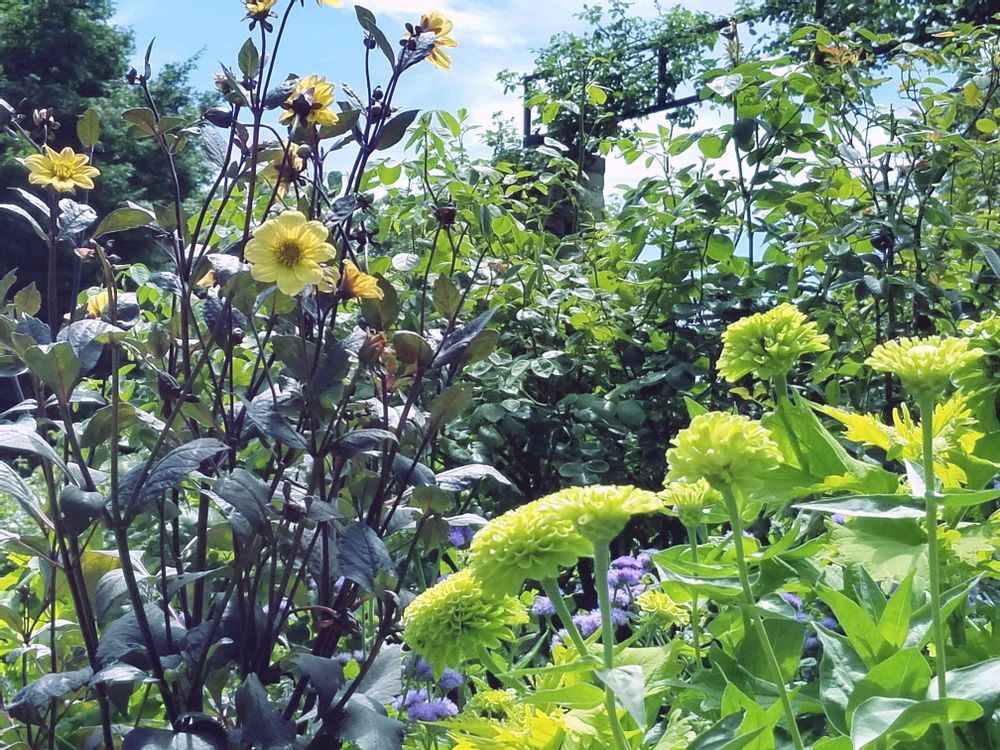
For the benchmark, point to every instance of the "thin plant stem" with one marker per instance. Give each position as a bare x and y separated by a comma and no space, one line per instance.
695,613
551,589
602,562
933,563
758,624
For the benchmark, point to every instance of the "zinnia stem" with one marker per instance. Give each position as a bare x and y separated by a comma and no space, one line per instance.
933,563
602,562
551,589
741,566
695,614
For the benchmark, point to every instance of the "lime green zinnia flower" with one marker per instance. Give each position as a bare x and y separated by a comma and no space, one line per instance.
724,449
457,616
924,365
768,344
690,500
659,606
527,543
600,512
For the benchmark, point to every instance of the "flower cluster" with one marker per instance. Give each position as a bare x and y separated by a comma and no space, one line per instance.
457,616
924,365
725,450
769,344
420,706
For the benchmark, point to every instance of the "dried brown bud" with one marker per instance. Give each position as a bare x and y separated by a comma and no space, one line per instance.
221,117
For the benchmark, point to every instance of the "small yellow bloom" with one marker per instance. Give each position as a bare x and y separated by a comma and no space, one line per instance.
357,283
97,303
434,21
259,9
283,169
924,365
690,500
289,250
309,103
331,3
63,171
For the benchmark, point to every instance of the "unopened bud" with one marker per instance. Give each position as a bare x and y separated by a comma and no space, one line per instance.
221,117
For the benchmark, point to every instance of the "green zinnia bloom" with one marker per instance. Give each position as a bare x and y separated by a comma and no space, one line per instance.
659,606
456,617
690,500
769,344
924,365
600,512
724,449
527,543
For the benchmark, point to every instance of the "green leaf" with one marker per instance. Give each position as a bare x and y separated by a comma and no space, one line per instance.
74,218
27,218
249,59
22,438
888,549
367,20
363,555
726,85
629,686
840,670
393,131
446,297
171,470
905,674
723,735
79,509
867,506
979,683
922,619
248,495
32,702
56,365
412,348
871,646
902,719
596,94
450,403
11,483
88,128
122,219
28,300
711,146
894,623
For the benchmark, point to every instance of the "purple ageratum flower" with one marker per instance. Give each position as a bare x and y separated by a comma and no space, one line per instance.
460,536
451,679
407,699
646,558
421,669
791,599
839,518
830,623
620,577
542,607
432,710
619,617
588,623
626,561
623,597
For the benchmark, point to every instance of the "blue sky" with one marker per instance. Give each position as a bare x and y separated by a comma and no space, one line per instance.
493,35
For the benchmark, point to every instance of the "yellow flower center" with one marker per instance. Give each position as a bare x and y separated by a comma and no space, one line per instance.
288,253
62,169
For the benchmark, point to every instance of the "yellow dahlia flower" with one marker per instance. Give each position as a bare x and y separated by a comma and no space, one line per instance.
527,543
97,303
436,22
600,512
725,449
289,250
660,607
331,3
359,284
283,169
924,365
309,103
690,499
768,344
259,9
63,171
457,616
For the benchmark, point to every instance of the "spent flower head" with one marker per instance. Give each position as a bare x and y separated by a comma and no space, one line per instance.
457,616
924,365
357,283
527,543
690,499
289,250
62,171
725,450
600,512
769,344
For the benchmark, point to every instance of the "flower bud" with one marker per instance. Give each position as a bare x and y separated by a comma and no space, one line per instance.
221,117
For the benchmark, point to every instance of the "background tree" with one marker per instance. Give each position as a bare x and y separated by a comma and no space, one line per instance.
66,56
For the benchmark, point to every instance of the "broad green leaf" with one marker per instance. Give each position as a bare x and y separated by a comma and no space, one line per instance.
895,620
979,683
122,219
905,674
901,719
88,128
871,646
629,686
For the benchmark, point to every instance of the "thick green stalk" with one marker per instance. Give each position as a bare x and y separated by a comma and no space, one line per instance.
551,589
741,566
602,562
695,614
933,563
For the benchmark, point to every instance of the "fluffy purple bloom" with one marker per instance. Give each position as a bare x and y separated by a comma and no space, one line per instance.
619,617
830,623
839,518
451,679
623,597
588,623
432,710
625,561
619,577
646,559
791,599
542,607
410,697
421,669
460,536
